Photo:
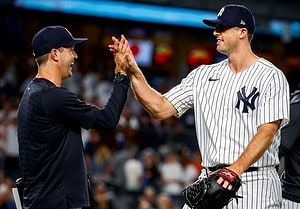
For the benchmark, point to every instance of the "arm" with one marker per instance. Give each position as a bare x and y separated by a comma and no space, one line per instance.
257,146
153,101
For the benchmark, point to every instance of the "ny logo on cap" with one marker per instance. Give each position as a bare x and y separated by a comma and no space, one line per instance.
221,11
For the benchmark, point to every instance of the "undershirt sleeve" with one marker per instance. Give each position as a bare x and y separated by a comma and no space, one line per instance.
65,106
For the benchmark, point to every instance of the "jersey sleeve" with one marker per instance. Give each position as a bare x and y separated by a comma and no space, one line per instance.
181,95
275,100
64,105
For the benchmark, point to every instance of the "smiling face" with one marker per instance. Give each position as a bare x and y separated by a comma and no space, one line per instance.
67,59
227,38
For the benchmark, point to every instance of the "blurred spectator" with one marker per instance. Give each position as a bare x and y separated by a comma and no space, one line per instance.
6,200
133,170
27,70
104,199
114,175
91,146
148,134
97,153
89,81
171,173
164,201
197,160
9,139
127,126
144,204
148,199
103,88
8,76
151,175
190,171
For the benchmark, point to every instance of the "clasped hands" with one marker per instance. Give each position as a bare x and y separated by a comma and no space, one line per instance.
123,56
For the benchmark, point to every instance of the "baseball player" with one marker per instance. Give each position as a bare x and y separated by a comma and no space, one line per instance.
289,149
240,103
50,119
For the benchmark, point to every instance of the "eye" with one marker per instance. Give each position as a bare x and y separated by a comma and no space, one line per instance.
222,28
72,49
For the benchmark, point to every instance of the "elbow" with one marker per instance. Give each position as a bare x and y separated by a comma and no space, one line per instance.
160,109
112,125
159,115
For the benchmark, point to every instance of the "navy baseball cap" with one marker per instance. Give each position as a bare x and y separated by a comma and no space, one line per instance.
234,15
52,37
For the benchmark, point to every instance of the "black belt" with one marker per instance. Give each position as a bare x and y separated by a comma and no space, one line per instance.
220,166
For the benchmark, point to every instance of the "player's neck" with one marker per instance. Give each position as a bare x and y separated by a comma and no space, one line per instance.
240,62
51,75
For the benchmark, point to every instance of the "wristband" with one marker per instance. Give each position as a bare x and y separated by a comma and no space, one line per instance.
120,77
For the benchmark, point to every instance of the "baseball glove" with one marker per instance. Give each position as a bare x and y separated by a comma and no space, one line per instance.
206,193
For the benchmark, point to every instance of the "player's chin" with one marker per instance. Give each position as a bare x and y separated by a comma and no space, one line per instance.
220,50
67,74
70,74
71,70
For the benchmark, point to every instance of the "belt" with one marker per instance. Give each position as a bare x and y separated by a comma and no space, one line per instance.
220,166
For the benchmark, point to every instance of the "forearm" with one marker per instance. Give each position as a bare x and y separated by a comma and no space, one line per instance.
256,148
110,114
153,101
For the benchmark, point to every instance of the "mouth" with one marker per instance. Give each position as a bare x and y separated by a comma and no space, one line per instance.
72,65
218,41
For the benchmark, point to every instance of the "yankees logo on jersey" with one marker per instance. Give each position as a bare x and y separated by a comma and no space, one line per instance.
247,100
226,96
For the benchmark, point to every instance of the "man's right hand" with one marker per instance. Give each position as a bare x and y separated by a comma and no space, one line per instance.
123,55
119,49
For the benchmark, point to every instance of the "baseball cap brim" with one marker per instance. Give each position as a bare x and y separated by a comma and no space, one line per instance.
215,22
75,41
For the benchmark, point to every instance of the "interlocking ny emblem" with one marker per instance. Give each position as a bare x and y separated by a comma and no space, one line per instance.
247,100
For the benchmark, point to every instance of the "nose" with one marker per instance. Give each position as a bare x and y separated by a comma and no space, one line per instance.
215,33
75,55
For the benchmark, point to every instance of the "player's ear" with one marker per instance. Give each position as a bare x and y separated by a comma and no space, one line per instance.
243,32
54,54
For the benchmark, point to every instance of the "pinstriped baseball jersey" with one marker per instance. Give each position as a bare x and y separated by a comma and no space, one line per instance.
230,107
288,204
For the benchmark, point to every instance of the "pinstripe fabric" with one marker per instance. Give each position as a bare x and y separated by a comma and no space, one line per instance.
223,129
260,190
228,110
288,204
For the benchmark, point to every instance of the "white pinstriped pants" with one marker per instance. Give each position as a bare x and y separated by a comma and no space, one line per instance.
288,204
260,190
